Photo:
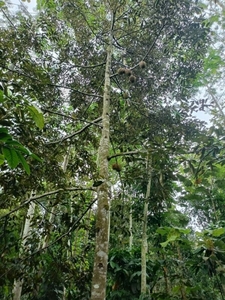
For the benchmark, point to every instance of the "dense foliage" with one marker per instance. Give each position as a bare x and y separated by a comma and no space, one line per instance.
165,166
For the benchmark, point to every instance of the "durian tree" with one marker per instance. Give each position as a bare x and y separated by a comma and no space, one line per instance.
111,77
133,36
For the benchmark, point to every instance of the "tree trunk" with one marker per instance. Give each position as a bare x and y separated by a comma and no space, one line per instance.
167,286
131,225
18,284
144,247
98,288
182,288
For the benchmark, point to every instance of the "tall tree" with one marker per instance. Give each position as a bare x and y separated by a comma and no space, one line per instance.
124,61
98,289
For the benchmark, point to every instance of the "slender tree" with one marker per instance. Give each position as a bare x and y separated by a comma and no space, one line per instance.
144,246
26,235
98,289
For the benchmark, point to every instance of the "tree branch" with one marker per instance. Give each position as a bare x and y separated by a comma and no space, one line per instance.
126,153
68,231
49,84
67,116
33,198
69,136
216,103
87,67
60,237
147,53
220,4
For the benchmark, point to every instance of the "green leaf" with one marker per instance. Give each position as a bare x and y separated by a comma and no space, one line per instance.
199,250
11,157
3,130
24,163
2,159
138,273
218,231
18,147
172,238
4,135
36,157
37,116
162,230
185,231
46,4
214,18
1,96
164,244
112,264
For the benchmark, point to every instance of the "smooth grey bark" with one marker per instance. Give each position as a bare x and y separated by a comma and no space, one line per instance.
18,284
98,287
144,246
131,225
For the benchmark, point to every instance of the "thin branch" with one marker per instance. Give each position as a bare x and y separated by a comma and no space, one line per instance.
49,84
67,116
70,229
126,153
83,16
220,4
33,198
7,17
60,237
148,51
216,103
87,67
92,99
69,136
45,208
58,191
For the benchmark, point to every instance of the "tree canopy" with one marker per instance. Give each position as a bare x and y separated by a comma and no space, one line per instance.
110,187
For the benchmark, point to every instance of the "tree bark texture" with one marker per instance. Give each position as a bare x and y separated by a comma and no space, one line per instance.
144,246
131,225
18,283
98,288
